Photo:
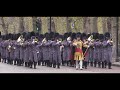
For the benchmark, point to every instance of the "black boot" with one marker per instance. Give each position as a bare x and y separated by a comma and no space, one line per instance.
102,64
109,65
15,62
63,63
39,63
67,63
28,64
85,64
105,62
95,64
54,65
99,64
35,63
31,63
58,65
91,64
50,64
25,64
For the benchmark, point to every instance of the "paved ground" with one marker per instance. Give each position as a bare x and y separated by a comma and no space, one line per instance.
5,68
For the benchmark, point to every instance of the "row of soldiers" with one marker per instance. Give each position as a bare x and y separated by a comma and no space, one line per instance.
52,49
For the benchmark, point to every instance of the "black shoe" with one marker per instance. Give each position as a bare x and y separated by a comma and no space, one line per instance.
95,64
35,63
85,64
58,65
50,64
91,64
99,64
105,62
39,63
109,65
54,65
102,64
25,64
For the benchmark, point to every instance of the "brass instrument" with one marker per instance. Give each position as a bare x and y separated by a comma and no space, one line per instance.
9,48
20,40
44,40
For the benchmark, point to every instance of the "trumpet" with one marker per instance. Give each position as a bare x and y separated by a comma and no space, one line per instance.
9,48
44,40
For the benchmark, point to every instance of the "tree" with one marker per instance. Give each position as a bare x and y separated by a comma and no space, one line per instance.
22,29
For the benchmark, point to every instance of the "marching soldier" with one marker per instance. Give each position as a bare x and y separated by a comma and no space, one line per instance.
66,49
108,43
96,49
73,38
39,47
101,50
91,50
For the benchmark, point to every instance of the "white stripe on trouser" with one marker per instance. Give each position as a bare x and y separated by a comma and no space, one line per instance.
79,63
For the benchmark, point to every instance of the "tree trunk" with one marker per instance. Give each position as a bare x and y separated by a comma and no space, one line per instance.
22,29
5,27
95,28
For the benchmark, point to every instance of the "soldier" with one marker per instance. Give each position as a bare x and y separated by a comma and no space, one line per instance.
35,51
26,50
101,50
3,49
66,49
85,50
73,38
91,49
56,54
96,49
108,43
17,50
39,46
31,46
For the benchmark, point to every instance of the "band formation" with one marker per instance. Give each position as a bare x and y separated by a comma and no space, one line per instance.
77,50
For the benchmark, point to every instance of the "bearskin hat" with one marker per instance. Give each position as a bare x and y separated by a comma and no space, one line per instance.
69,34
88,35
95,35
83,36
78,35
32,33
73,36
101,37
24,33
37,34
65,36
107,35
56,35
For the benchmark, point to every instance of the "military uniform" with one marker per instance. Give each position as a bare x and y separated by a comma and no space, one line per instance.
78,56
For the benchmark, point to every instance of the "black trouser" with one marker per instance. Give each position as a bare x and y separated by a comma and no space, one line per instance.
85,64
54,64
35,63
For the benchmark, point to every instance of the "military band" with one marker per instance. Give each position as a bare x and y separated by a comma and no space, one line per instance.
53,50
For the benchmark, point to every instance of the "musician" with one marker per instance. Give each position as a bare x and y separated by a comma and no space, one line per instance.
107,44
96,49
67,49
85,50
78,51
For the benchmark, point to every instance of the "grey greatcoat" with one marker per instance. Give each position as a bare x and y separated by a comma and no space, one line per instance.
107,51
17,51
39,50
66,51
26,52
56,53
30,47
97,51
